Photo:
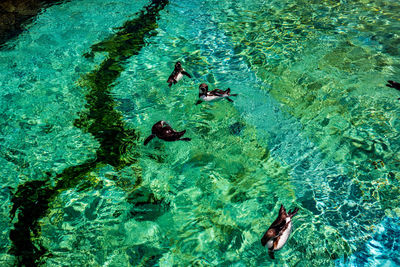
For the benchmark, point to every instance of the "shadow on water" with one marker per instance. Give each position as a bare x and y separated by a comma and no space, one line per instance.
31,200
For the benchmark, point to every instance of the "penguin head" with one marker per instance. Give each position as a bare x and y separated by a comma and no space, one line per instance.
203,88
157,127
178,65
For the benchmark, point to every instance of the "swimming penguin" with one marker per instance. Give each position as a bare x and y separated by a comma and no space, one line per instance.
206,95
163,131
177,74
393,84
279,231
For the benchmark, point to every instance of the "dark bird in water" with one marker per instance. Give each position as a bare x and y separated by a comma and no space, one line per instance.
279,231
177,74
393,84
215,94
163,131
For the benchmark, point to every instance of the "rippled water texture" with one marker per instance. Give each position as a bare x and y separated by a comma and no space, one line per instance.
313,127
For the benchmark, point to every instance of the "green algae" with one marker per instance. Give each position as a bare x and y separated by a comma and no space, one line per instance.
32,199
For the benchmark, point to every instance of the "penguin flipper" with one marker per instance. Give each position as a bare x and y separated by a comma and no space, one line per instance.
393,84
217,92
148,139
185,139
187,74
389,84
271,254
230,100
199,102
282,211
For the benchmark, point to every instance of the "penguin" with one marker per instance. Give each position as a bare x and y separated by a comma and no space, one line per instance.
206,95
279,231
177,74
393,84
163,131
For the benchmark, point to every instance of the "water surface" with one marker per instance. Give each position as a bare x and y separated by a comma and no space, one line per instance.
313,127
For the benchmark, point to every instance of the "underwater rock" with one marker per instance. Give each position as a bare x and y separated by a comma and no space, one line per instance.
14,13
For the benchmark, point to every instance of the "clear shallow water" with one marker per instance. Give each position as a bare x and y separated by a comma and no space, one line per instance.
311,118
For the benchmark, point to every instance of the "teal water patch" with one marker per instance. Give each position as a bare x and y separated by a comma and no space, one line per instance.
32,198
382,250
41,98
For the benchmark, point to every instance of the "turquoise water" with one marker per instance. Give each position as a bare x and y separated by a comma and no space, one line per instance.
313,127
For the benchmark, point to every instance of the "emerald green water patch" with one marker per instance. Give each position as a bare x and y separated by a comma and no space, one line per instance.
101,119
131,37
32,199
